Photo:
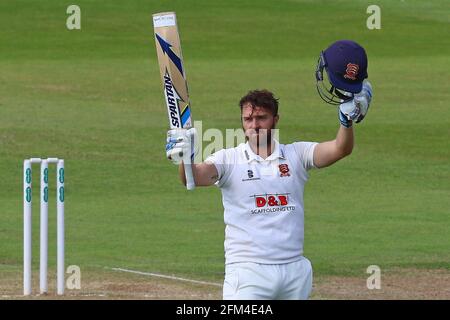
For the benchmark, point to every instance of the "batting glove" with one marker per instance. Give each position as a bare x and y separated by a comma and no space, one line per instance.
181,145
357,108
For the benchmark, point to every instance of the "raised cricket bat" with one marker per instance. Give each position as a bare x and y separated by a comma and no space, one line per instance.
173,78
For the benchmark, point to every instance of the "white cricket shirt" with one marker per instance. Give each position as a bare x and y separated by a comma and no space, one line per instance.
263,201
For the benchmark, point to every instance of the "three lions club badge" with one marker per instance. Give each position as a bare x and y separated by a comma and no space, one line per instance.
284,170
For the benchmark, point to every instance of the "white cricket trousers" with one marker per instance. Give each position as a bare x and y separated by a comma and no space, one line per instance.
255,281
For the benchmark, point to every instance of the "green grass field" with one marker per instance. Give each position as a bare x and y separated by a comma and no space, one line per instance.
93,97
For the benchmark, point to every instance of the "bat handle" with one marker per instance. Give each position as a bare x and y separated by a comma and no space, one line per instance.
188,160
190,182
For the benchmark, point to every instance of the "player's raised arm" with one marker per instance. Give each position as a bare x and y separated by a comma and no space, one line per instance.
328,152
205,174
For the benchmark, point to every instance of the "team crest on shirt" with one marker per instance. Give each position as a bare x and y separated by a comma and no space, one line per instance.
284,170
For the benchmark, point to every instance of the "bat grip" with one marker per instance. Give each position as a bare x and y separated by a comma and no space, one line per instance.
190,182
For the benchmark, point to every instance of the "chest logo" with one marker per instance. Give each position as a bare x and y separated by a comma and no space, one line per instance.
271,200
250,176
284,170
272,203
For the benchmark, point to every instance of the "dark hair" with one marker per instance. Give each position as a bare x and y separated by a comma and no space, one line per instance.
261,98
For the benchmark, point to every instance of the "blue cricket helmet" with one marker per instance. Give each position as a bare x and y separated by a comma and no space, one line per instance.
345,63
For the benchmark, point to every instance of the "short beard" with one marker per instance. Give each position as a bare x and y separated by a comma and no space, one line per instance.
264,142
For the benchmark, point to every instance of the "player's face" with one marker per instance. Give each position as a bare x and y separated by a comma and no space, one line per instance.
257,123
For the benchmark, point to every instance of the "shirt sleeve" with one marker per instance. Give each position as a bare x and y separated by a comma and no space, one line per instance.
222,162
305,151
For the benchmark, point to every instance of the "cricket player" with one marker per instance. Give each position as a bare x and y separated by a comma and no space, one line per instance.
262,180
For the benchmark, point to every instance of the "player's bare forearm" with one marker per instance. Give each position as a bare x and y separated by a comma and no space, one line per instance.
205,174
345,140
328,152
181,173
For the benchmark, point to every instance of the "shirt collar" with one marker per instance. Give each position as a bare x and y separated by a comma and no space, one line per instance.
276,154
